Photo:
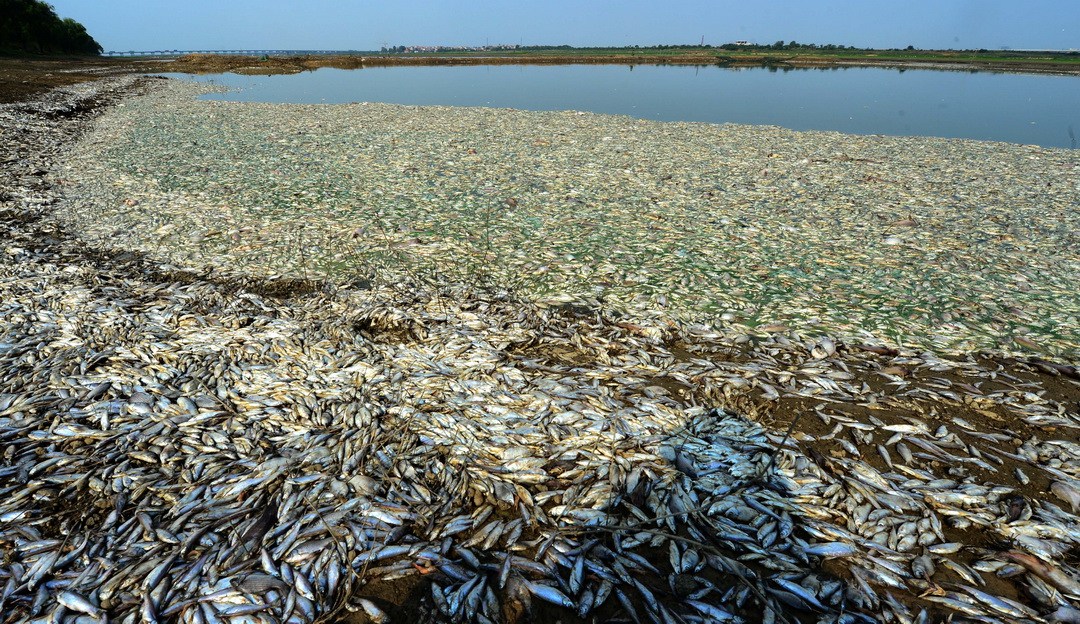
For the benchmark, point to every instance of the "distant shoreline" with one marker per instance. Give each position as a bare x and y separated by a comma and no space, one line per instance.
24,76
213,63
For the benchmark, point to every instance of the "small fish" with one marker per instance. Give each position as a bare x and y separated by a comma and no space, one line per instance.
77,603
801,593
922,567
148,611
945,549
1045,571
1015,505
1066,615
713,612
1003,605
831,550
1066,492
256,583
242,609
548,593
372,611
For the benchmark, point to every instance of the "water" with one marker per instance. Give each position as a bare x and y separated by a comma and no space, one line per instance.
1019,108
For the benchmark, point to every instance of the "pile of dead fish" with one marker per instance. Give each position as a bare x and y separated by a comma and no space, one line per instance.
176,452
183,447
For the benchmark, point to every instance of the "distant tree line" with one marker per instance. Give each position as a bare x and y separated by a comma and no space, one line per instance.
741,46
780,45
32,26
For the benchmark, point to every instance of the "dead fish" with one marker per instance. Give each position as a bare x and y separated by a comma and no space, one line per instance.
372,611
77,603
548,593
1066,492
1047,572
1066,615
831,550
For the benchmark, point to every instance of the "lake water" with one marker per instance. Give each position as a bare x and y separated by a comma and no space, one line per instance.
1019,108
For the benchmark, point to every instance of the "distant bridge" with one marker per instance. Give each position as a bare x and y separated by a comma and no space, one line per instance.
158,53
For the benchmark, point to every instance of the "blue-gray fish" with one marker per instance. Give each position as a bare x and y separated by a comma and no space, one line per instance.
1066,615
713,612
548,593
76,602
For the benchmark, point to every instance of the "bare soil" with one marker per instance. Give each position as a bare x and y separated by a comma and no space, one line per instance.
23,77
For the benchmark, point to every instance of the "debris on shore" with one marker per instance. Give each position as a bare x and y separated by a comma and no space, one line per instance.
210,445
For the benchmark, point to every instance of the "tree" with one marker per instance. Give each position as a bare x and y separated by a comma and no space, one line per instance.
32,26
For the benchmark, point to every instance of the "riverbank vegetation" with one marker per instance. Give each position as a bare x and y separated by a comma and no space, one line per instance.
33,27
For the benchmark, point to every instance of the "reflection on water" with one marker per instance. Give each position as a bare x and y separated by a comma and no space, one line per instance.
1019,108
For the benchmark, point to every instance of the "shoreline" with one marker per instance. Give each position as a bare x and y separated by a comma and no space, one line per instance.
206,63
24,76
404,433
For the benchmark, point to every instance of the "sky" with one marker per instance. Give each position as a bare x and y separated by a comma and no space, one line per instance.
123,25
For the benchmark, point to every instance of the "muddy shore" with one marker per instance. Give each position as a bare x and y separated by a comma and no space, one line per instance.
205,63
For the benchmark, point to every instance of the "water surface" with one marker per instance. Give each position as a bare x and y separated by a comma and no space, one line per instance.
1019,108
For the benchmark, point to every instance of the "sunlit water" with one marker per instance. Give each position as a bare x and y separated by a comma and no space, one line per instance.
1019,108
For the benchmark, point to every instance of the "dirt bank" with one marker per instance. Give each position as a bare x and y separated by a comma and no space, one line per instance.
24,77
213,63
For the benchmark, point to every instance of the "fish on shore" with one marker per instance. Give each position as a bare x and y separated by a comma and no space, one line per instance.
197,447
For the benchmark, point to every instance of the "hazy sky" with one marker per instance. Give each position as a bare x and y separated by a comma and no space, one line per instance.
368,24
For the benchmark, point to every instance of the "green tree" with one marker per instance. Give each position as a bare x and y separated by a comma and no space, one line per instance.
32,26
